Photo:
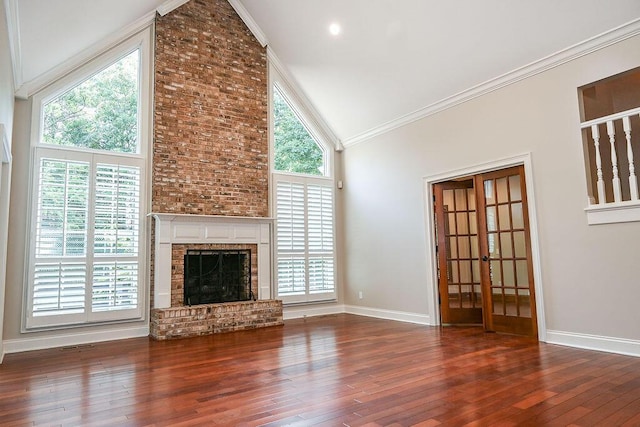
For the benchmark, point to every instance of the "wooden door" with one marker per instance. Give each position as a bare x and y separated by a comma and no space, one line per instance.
505,249
458,253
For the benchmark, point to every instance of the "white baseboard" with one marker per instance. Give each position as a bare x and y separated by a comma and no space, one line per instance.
67,339
402,316
300,311
595,342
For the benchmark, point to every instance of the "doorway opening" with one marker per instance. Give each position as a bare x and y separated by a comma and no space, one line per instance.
486,274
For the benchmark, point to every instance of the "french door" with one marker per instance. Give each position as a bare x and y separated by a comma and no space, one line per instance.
484,252
458,261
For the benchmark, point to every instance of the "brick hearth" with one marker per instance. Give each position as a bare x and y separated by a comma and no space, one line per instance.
181,322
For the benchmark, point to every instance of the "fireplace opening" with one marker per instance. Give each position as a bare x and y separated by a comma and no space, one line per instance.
214,276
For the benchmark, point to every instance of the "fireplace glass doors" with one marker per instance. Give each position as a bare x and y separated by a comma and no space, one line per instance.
215,276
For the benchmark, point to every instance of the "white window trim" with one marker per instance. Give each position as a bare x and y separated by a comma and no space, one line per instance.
299,107
142,41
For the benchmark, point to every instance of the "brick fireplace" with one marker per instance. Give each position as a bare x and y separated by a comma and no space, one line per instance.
170,317
210,163
175,233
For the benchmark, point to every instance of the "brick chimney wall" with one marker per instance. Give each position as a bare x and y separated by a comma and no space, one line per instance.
210,146
210,151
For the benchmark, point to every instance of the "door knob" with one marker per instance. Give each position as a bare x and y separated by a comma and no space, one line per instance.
485,258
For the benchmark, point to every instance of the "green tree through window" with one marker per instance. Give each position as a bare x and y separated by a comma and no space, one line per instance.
101,113
295,149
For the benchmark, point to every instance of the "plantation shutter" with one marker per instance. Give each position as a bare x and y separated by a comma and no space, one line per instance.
320,229
117,210
291,238
61,239
87,237
304,238
117,224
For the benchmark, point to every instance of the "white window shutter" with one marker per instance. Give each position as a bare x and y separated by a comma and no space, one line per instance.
63,204
59,288
305,238
115,285
117,210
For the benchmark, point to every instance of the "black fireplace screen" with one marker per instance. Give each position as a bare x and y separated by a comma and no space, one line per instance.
212,276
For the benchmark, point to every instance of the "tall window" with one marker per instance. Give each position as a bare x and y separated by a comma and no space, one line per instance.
304,208
86,250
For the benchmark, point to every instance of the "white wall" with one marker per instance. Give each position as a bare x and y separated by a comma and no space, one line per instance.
589,277
6,119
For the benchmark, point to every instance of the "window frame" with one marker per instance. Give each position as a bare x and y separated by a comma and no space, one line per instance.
141,42
306,117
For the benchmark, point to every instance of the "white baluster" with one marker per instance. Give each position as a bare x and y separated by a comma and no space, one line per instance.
633,181
595,133
617,190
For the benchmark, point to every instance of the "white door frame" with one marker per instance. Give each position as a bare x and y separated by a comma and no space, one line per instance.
432,261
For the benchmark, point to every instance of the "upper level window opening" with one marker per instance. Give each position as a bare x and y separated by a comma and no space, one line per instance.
296,150
611,95
101,113
610,112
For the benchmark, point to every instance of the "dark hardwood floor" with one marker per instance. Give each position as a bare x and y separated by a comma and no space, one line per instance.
323,371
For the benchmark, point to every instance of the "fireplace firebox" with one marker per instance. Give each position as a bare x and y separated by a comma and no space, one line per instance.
216,276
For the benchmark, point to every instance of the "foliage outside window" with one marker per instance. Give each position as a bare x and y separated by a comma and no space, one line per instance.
85,257
304,210
100,113
295,149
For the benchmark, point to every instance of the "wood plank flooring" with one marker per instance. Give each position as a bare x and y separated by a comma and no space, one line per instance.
322,371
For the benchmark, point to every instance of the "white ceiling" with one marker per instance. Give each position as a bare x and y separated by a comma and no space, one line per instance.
394,57
52,31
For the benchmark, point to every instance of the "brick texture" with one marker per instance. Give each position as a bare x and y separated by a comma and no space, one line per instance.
210,151
183,322
210,154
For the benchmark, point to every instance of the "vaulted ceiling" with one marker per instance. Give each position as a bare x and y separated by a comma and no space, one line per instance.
393,61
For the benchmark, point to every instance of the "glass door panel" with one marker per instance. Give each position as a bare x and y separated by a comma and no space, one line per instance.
505,251
458,253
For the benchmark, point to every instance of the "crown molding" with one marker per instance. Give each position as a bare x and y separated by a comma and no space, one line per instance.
571,53
313,118
249,22
33,86
13,30
169,6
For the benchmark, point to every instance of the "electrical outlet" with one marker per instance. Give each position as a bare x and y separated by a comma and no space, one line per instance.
360,295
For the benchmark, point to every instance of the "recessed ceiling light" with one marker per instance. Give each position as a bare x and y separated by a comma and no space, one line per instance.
335,29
